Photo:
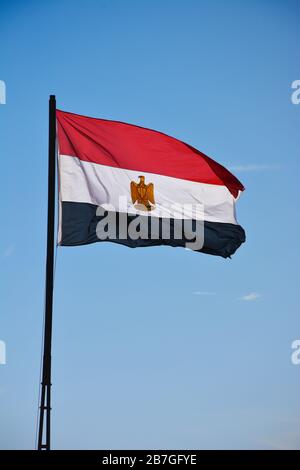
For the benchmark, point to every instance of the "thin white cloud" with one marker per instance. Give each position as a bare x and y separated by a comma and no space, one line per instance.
199,292
9,251
287,436
252,167
291,442
250,297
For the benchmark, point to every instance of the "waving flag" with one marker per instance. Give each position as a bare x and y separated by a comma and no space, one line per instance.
139,187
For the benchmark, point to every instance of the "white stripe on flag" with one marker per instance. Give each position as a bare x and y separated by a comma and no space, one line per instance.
102,185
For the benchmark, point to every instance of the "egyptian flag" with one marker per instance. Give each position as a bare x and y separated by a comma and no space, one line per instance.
139,187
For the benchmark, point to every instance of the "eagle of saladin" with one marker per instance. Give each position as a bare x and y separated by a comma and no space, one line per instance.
142,195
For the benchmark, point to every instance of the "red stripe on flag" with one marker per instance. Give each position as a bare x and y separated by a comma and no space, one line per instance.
131,147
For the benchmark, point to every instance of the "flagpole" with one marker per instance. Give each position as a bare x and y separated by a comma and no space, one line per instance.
44,430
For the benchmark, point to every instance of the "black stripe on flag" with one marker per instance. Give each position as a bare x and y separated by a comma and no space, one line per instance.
79,222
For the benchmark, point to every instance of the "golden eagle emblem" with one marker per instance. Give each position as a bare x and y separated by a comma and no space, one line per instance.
142,195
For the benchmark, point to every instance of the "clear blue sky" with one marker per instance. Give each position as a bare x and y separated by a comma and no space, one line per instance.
158,347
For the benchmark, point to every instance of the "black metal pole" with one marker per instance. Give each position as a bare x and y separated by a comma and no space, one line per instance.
44,432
